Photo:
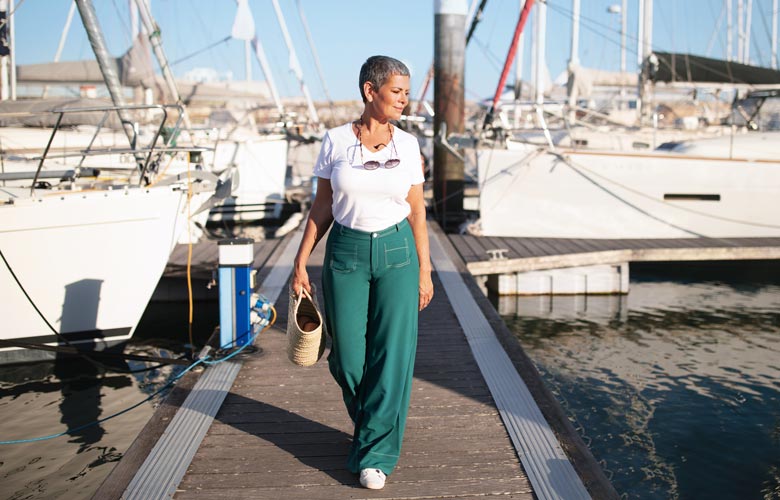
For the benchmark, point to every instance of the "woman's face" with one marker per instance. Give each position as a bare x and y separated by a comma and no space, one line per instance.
391,98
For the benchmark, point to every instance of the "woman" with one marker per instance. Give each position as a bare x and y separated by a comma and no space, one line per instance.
377,272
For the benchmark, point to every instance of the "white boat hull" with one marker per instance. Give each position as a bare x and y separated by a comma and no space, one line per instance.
88,261
623,195
262,168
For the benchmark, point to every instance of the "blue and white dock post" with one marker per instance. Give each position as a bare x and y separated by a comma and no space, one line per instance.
236,256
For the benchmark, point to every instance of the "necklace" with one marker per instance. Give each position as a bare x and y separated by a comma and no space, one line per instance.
376,146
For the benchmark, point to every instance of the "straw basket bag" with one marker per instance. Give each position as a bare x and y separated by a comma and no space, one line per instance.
304,348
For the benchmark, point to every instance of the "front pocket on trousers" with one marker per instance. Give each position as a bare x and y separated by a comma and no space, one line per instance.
343,261
397,253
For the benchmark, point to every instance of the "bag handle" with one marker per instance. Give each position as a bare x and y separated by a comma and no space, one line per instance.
299,296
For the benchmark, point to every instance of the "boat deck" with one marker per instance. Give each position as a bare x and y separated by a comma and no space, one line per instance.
504,255
280,431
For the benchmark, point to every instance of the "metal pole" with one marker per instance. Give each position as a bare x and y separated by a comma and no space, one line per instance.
748,21
541,49
645,49
134,29
474,17
4,8
729,31
740,31
623,39
295,66
107,64
260,54
313,49
448,101
574,59
156,40
519,74
623,35
575,34
12,56
508,61
247,59
774,33
61,45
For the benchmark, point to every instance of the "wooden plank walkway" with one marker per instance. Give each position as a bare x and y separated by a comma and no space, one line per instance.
282,431
531,254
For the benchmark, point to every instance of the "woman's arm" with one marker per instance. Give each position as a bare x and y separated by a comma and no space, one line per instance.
317,224
420,230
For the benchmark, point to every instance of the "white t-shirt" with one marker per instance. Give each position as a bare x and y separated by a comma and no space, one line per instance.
368,200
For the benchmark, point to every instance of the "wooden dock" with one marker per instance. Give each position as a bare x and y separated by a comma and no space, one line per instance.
503,255
474,429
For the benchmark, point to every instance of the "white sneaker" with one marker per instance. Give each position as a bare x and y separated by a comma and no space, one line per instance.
373,479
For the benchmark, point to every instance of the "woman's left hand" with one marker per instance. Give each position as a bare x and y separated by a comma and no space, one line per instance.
426,289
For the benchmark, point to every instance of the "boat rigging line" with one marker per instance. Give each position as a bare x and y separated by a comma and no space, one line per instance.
200,51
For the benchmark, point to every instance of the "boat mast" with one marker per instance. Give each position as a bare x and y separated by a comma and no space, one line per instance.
541,49
519,75
107,65
508,61
244,29
247,59
623,35
12,58
740,31
729,31
8,55
774,33
645,49
313,49
748,21
574,60
61,45
295,66
153,32
260,55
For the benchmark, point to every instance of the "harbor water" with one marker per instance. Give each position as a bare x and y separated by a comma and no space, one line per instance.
44,398
675,388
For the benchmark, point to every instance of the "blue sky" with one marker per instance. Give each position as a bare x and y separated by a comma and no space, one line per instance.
346,32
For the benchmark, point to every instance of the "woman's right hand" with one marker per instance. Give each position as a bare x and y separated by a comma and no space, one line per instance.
301,280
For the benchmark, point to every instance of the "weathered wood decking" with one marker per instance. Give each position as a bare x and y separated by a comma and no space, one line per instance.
511,255
282,431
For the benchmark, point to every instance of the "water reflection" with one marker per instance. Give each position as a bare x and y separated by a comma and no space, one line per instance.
47,397
676,387
80,401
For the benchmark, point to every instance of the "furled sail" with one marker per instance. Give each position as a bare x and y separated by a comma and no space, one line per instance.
135,69
675,67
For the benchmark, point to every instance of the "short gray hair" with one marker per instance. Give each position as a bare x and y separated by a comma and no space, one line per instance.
377,70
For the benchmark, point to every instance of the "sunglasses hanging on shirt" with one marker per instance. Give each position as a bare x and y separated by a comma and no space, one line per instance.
373,164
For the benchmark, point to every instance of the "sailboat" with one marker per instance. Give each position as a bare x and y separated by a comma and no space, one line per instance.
82,254
722,186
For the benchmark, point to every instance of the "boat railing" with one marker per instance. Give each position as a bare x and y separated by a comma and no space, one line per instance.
143,155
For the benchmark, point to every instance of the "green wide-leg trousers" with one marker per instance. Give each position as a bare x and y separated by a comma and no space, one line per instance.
370,289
